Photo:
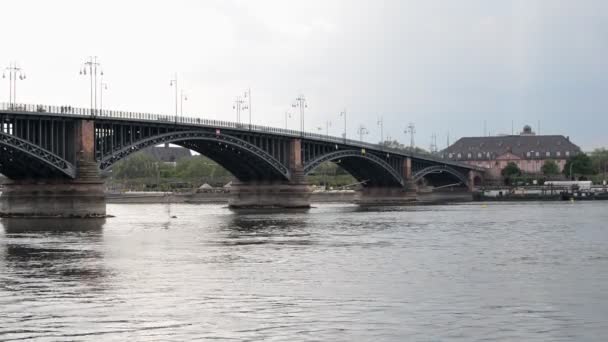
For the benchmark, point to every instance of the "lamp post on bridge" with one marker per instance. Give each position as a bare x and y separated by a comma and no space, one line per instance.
173,83
362,131
238,106
248,96
182,97
93,67
411,129
381,124
103,86
287,116
343,113
300,102
15,73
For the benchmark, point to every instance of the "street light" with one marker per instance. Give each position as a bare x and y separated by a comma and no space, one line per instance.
381,124
173,83
248,96
182,97
343,113
14,73
411,129
327,125
238,106
93,65
300,102
571,164
362,131
103,86
287,115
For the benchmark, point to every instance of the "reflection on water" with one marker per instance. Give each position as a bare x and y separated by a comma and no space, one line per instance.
52,250
52,225
277,229
514,272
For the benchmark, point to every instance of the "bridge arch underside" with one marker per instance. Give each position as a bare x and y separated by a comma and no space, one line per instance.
19,164
242,164
244,161
439,178
371,171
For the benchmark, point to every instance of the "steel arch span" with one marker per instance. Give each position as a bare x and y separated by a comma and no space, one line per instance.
440,169
32,159
380,169
201,141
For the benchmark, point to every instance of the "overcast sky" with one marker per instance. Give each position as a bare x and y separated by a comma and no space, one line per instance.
445,65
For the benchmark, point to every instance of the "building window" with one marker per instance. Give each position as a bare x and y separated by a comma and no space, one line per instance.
488,154
538,154
479,155
558,153
459,155
567,153
450,155
548,154
469,156
528,154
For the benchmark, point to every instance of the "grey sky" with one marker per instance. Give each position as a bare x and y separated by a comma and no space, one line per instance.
445,65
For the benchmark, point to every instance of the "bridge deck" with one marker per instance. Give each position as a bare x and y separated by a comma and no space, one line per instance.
189,122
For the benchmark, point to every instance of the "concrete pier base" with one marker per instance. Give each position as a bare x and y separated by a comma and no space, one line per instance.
80,197
385,196
60,199
260,195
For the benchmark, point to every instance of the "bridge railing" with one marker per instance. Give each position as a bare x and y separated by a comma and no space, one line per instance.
40,109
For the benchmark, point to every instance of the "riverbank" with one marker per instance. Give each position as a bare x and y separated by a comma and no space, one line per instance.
224,197
540,194
214,197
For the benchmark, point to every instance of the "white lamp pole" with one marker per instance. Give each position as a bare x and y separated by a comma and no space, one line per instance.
300,102
173,83
15,73
93,67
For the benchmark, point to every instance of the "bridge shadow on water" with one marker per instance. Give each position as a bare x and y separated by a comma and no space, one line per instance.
53,226
52,250
270,227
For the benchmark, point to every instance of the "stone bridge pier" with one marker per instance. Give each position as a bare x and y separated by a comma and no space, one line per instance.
289,194
58,196
396,194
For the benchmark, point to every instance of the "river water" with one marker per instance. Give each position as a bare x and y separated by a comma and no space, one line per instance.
468,272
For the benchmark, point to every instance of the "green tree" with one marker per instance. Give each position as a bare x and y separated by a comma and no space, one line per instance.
550,168
599,160
138,165
200,168
393,144
193,168
511,170
581,165
399,146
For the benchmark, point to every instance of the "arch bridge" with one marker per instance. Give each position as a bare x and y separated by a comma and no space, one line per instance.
65,145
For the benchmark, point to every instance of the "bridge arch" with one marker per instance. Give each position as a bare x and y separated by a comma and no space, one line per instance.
365,167
243,159
439,169
20,159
